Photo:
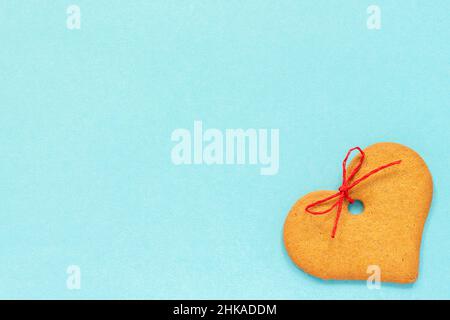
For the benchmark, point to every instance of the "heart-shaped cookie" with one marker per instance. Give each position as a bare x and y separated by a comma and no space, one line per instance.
386,234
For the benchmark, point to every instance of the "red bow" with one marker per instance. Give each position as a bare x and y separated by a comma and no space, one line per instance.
346,187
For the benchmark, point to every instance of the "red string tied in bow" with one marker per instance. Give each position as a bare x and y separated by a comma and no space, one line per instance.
346,186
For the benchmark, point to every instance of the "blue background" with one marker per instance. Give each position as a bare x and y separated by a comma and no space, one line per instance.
86,117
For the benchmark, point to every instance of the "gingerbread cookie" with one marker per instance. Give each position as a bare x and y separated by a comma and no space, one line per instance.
325,240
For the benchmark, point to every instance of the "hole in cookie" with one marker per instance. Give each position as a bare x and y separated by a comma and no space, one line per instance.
357,207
